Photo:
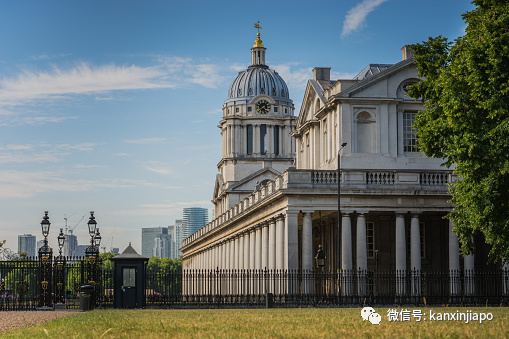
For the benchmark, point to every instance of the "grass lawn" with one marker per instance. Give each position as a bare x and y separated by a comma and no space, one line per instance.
263,323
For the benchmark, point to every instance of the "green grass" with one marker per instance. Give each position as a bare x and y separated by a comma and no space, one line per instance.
261,323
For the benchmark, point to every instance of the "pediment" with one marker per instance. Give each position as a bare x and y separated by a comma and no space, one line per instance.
248,183
218,186
384,83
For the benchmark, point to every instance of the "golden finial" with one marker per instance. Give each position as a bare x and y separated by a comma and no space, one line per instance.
258,41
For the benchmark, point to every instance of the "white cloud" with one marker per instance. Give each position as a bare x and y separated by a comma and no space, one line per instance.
145,141
38,153
164,171
41,120
81,79
185,71
356,16
122,155
18,184
295,79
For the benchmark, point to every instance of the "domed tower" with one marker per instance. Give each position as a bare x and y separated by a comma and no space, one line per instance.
255,129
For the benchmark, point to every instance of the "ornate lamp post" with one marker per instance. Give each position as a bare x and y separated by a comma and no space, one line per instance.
45,256
92,253
59,273
320,257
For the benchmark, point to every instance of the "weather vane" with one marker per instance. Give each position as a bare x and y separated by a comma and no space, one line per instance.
257,25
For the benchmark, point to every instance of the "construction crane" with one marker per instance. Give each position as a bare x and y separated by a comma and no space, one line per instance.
72,228
65,218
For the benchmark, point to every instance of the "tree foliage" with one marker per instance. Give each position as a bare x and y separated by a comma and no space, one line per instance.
466,122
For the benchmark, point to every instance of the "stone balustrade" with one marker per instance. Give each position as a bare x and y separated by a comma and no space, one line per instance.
319,179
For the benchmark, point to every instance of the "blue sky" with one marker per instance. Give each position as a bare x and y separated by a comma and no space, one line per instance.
112,106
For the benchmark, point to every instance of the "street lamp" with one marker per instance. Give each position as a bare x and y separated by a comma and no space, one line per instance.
92,224
45,225
45,254
97,240
320,257
339,204
61,240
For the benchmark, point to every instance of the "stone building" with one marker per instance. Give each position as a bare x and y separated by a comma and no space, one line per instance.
275,205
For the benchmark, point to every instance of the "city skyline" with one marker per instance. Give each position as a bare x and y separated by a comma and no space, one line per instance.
112,106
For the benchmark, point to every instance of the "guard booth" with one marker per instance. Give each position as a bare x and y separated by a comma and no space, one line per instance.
129,280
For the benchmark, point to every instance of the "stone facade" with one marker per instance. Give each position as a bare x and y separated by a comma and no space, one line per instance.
393,198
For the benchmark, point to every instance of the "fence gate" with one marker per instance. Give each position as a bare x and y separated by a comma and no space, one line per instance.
49,282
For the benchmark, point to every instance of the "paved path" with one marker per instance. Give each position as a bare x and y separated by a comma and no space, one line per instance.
12,320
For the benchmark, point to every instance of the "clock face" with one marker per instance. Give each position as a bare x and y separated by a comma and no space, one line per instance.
263,107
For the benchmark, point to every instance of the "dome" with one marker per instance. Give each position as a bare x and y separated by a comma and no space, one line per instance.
258,80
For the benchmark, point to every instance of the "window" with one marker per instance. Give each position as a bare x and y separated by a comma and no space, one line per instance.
275,109
286,110
236,110
249,140
370,239
129,277
409,137
276,139
263,139
249,108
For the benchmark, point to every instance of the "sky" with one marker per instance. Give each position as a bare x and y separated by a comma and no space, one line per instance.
113,106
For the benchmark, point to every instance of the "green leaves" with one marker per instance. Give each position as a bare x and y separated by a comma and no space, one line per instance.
466,122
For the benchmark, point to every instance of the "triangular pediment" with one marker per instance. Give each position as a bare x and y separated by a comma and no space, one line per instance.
366,86
249,183
218,186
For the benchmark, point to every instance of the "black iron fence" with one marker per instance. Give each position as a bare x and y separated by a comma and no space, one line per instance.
21,286
283,288
29,283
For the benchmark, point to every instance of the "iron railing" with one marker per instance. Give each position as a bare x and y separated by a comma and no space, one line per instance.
172,288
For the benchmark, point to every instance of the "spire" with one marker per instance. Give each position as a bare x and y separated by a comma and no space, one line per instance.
258,50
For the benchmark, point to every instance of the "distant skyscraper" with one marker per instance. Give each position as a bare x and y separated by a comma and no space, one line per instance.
26,244
177,239
40,243
194,219
70,244
148,239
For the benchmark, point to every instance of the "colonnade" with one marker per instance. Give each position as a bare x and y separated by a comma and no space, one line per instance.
262,246
273,245
235,138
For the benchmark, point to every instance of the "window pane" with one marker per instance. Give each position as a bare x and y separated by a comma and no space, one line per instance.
129,277
409,137
263,139
276,139
249,139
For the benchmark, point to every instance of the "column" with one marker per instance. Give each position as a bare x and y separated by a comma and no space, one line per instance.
362,260
291,250
400,255
265,245
415,254
247,252
307,242
307,253
252,250
468,266
241,252
258,248
346,254
280,265
270,139
256,139
272,244
505,279
291,233
454,262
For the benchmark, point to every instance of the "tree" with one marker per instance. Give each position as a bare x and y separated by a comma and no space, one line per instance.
466,121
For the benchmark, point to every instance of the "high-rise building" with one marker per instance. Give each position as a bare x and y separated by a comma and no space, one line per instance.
26,244
40,243
194,219
148,239
177,239
70,244
162,246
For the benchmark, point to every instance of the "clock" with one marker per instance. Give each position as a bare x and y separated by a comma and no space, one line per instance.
263,107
